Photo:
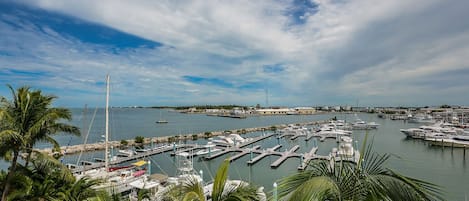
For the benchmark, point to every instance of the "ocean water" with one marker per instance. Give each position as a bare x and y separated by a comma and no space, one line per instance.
443,166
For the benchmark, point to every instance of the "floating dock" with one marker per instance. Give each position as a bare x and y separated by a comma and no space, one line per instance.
264,153
285,155
136,156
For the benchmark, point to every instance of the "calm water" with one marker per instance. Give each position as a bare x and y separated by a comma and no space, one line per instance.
415,158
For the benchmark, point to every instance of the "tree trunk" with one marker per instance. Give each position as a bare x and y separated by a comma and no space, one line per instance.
11,172
28,157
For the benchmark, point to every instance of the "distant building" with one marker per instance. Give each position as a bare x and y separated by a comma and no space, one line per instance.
281,111
304,110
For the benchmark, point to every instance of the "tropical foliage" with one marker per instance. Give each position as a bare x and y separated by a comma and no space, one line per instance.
192,190
26,119
366,180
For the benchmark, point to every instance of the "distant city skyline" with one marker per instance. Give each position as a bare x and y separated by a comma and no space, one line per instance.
173,53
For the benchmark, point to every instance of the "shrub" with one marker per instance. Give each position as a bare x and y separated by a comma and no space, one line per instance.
139,139
195,136
124,143
273,128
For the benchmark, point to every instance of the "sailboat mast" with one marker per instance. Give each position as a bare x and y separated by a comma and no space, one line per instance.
106,154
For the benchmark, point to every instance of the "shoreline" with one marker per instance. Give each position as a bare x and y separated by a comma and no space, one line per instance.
73,149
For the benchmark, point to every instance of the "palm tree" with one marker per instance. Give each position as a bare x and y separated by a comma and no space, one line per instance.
192,190
365,180
80,190
25,120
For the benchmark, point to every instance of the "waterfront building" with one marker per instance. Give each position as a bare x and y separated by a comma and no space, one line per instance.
304,110
272,111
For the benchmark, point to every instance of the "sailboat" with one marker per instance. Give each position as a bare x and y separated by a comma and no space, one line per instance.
116,180
161,121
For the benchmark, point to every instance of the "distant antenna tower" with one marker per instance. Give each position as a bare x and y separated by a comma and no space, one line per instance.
266,97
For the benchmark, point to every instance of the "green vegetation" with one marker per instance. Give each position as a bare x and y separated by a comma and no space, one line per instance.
208,134
193,190
25,120
124,143
139,139
195,137
273,128
366,180
171,139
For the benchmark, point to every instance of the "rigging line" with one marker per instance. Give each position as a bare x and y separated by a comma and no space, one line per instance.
159,167
208,169
86,136
237,172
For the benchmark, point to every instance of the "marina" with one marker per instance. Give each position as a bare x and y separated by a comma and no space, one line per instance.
388,132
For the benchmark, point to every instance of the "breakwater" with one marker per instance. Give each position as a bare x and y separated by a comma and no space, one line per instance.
73,149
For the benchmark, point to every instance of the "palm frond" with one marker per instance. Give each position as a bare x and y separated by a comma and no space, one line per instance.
220,181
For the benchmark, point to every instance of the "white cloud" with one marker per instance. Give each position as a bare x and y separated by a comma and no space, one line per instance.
347,49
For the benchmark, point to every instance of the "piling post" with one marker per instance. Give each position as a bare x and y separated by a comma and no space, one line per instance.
149,167
275,192
209,151
464,151
301,160
278,140
201,172
174,148
250,152
442,144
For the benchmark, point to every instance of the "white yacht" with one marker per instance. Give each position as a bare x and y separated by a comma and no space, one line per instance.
209,148
230,140
362,125
421,118
345,150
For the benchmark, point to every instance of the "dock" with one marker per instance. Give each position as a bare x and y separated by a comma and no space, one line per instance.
269,151
74,149
306,158
285,155
131,158
244,152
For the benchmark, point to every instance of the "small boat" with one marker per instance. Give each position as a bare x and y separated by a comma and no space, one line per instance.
161,121
208,148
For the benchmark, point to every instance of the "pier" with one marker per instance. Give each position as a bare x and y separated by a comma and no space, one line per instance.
306,158
244,152
284,156
136,156
269,151
74,149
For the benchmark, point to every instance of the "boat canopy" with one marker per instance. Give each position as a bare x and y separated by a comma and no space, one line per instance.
139,163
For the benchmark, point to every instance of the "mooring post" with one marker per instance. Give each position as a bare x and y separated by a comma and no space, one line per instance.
209,151
275,192
149,167
464,152
201,172
301,160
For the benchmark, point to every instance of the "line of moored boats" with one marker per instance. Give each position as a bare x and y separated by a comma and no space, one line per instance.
440,134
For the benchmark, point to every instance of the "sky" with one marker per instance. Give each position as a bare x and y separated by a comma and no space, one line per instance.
270,52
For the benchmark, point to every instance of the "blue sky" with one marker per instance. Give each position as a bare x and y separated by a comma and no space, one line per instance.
321,52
